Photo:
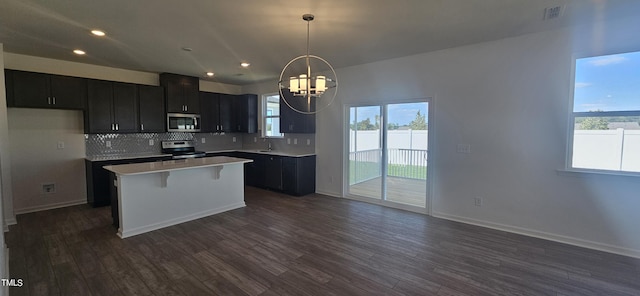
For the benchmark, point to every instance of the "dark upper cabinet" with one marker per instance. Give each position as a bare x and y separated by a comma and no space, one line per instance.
209,112
229,113
246,111
295,122
151,105
39,90
112,107
8,82
182,93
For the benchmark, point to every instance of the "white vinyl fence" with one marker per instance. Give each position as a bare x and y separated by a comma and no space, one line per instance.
617,150
401,139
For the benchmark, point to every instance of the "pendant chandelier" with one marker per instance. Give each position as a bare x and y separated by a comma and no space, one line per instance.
301,88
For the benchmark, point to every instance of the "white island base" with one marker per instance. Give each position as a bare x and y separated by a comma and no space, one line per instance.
160,194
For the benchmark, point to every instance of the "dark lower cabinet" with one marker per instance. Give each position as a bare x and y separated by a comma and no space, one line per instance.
254,172
98,185
299,175
273,172
288,174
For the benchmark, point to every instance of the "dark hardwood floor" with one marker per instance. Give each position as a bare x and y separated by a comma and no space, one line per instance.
312,245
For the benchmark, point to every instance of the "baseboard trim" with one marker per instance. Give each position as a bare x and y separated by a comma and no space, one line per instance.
332,194
50,206
544,235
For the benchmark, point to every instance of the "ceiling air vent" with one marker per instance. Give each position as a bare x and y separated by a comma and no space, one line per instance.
552,12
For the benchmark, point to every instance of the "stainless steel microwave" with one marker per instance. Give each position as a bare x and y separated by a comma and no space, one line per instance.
178,122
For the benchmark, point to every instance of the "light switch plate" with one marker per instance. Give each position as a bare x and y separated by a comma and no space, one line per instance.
60,145
308,142
234,139
151,142
463,148
203,140
108,143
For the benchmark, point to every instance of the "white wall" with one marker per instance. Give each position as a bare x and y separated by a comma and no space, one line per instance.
34,135
5,200
488,95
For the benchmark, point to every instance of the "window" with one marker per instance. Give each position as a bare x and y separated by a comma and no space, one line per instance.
606,113
271,116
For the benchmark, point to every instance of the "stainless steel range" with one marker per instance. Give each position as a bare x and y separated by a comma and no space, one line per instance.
181,149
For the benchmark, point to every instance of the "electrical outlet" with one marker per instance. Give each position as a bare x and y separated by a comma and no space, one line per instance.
295,141
288,141
255,140
60,145
49,188
108,143
308,142
477,201
203,140
151,142
234,139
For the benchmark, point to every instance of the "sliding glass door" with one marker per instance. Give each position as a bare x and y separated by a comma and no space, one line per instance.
388,148
365,151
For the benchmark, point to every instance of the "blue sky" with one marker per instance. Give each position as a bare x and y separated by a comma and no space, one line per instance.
607,83
401,114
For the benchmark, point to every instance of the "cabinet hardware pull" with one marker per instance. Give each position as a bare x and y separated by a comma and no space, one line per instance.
113,127
117,127
142,126
49,100
54,100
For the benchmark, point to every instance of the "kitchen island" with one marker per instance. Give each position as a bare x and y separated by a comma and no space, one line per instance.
154,195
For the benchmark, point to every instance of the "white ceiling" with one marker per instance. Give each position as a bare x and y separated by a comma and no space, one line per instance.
148,35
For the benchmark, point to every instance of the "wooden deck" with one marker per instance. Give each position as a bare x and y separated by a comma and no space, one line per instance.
401,190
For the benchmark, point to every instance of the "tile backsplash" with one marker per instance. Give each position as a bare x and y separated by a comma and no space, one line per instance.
98,145
105,145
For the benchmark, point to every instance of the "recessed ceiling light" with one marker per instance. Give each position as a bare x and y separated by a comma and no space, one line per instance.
78,51
210,74
98,33
244,64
